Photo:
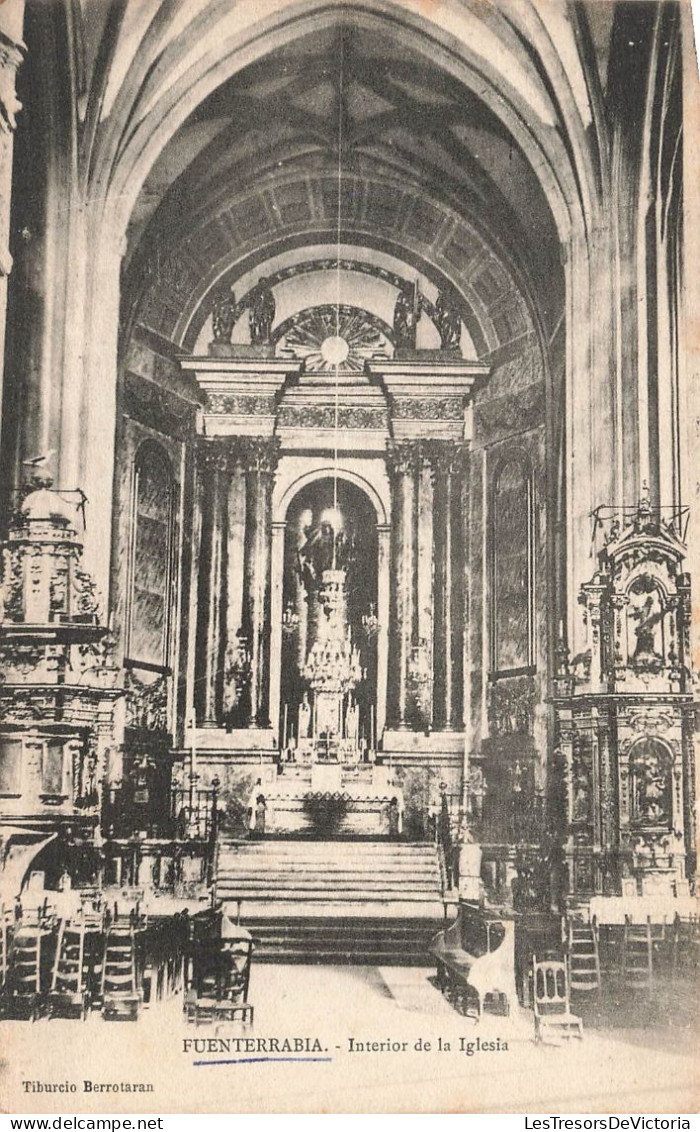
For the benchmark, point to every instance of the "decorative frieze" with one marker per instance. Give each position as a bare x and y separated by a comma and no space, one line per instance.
240,404
428,408
325,417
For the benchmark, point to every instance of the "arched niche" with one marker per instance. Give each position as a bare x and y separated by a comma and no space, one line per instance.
511,562
150,560
650,764
290,483
330,524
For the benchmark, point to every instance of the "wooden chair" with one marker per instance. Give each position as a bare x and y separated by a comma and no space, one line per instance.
583,957
637,955
550,996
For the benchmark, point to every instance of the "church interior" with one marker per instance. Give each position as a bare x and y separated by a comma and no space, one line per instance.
349,519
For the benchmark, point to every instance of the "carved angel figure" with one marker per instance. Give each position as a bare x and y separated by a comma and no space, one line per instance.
223,315
406,315
448,320
261,314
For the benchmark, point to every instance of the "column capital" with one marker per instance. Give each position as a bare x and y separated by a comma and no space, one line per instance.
260,453
212,455
446,457
403,457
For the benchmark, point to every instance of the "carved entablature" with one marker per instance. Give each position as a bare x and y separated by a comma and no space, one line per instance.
637,609
429,398
242,393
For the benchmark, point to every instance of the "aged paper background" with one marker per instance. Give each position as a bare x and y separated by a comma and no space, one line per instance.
320,1013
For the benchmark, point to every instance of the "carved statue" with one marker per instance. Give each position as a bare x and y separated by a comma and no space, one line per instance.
646,609
304,717
324,549
223,315
352,720
261,314
406,315
650,765
448,320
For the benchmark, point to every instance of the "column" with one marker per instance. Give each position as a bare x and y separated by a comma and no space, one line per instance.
402,463
276,614
441,550
424,574
11,54
192,696
449,461
458,624
235,542
214,464
383,606
261,461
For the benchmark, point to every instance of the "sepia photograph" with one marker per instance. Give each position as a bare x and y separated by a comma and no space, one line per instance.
350,556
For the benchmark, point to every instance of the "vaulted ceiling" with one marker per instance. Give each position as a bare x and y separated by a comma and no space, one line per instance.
340,136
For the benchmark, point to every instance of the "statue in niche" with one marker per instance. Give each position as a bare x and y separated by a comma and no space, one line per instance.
407,312
261,314
650,782
223,316
646,612
581,803
323,550
448,320
352,721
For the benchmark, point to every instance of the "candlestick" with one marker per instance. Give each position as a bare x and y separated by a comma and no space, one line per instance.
284,727
193,742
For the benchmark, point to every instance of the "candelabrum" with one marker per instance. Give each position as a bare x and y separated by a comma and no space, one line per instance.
370,622
333,664
290,620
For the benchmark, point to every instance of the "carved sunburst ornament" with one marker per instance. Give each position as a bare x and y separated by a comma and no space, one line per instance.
326,338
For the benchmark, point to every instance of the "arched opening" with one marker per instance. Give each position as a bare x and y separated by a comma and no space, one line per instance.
330,529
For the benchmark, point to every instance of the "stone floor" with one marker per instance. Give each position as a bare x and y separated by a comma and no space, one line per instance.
425,1066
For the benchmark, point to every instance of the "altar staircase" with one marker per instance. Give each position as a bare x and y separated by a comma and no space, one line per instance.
371,902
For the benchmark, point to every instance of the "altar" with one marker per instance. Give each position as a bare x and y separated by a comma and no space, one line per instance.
326,799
